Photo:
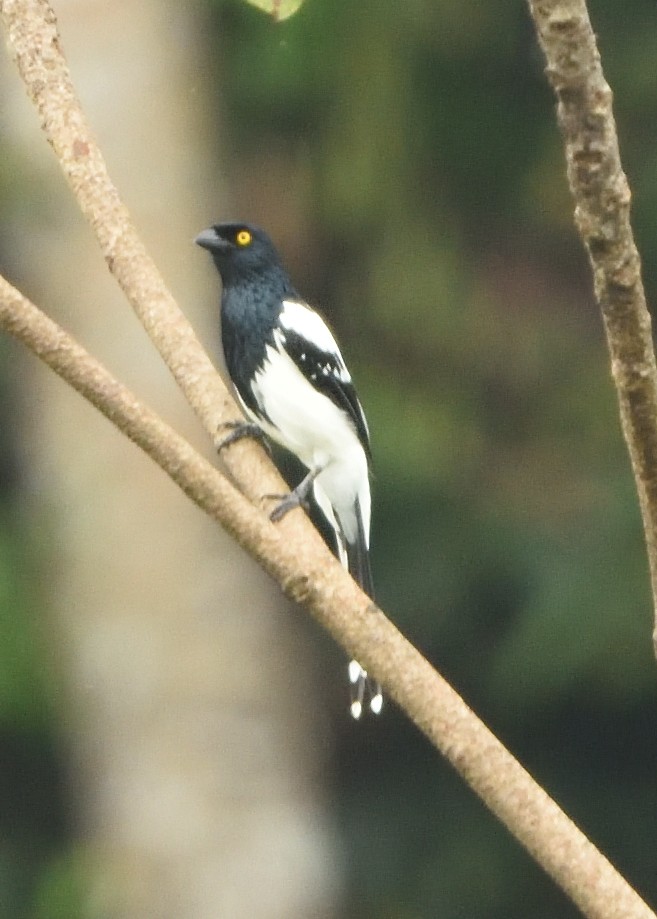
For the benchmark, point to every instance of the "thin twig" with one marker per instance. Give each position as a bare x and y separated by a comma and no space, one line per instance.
34,43
602,215
310,575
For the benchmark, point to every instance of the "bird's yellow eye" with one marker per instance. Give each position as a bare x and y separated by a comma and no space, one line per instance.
243,238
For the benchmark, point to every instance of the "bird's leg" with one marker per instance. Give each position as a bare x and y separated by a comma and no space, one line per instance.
239,430
298,497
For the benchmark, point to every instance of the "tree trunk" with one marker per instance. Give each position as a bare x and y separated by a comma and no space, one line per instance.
188,715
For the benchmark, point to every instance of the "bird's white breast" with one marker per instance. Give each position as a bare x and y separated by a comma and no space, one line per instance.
318,432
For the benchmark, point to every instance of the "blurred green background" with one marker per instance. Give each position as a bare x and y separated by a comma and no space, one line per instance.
407,159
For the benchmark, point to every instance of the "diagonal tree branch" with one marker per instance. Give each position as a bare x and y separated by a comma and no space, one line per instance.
602,215
292,552
310,575
33,40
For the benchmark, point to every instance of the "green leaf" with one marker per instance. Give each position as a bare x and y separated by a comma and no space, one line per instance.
278,9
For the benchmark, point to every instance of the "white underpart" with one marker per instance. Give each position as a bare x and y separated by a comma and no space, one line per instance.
322,436
319,433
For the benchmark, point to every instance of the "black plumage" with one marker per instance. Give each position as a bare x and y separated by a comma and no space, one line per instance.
291,380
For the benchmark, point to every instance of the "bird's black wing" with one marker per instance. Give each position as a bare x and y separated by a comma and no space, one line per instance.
327,372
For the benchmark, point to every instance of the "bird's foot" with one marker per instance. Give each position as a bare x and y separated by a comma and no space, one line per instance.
298,497
287,503
238,431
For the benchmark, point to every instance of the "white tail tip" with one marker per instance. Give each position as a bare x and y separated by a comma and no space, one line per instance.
356,709
356,672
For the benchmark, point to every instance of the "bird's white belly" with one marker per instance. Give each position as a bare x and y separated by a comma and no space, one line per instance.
301,418
312,427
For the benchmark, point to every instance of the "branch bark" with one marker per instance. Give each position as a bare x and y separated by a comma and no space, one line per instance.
310,575
34,42
291,552
602,216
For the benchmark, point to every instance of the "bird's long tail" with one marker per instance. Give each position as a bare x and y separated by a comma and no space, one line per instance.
355,557
358,565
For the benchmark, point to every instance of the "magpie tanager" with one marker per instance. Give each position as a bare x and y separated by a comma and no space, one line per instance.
293,385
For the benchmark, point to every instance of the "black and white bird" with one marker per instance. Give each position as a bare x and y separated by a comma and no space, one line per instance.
293,385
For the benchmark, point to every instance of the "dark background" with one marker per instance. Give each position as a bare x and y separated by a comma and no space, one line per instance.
406,158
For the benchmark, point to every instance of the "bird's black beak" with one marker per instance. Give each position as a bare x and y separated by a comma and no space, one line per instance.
210,240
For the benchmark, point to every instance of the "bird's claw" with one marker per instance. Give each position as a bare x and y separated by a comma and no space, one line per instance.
238,431
286,504
298,497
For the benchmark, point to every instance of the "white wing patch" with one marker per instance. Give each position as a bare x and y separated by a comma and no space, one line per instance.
308,424
306,323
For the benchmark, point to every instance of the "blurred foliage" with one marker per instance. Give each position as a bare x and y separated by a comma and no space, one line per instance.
32,821
407,159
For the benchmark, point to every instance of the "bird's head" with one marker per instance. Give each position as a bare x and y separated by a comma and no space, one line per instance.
239,250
